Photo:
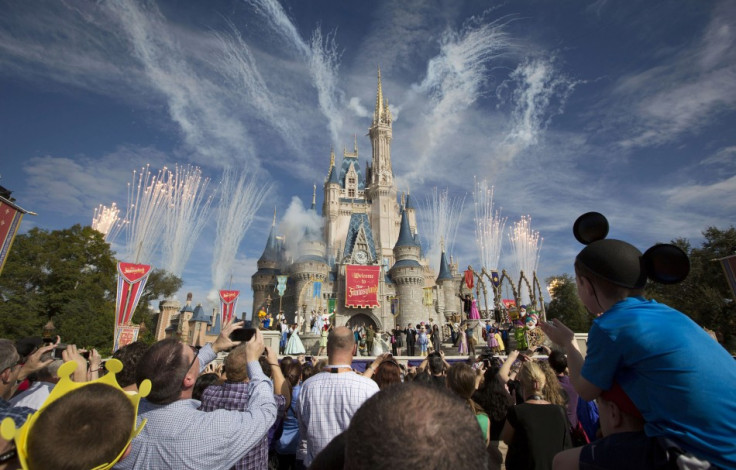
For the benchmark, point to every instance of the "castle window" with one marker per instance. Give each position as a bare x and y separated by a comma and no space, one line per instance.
351,181
351,192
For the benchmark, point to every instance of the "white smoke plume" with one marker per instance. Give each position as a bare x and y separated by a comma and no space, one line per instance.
296,220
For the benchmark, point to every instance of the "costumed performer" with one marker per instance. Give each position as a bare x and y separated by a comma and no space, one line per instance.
294,346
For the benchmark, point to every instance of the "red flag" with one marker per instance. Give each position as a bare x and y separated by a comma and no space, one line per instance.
729,269
469,278
131,281
228,301
10,217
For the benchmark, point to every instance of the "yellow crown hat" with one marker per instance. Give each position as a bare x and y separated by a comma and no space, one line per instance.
64,386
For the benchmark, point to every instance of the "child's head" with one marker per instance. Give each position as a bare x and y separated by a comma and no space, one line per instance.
85,428
615,269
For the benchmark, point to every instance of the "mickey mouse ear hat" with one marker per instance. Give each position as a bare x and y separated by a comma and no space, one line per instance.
622,263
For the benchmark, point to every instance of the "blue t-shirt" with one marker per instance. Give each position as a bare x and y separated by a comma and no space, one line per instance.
682,381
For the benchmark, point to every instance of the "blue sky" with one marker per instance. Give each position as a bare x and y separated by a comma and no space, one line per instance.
627,108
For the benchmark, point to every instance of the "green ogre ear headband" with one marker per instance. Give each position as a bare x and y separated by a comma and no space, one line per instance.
623,264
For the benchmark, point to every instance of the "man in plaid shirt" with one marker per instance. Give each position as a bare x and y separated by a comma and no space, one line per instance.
235,395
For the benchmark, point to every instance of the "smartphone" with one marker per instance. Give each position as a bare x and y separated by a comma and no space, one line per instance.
243,334
58,351
308,358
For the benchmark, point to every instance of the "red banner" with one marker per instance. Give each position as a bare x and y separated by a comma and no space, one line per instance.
131,281
125,335
228,301
361,286
10,217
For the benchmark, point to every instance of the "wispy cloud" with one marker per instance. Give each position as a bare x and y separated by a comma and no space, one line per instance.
203,115
687,92
321,55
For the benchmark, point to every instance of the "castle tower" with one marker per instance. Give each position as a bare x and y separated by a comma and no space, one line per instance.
448,287
198,326
331,204
185,314
169,310
408,275
380,189
264,280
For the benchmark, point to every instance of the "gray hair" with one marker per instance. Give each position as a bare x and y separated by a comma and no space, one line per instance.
8,354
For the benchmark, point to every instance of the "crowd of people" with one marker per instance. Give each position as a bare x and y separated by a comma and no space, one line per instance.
643,397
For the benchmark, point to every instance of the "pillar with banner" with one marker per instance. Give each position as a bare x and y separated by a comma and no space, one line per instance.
131,282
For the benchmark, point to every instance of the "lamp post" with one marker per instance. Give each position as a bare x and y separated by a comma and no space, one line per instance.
304,317
268,302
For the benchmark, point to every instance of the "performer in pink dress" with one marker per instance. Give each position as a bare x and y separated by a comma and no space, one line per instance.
474,313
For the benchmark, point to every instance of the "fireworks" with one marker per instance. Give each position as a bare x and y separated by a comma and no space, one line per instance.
187,208
526,245
240,198
489,226
441,218
148,197
106,220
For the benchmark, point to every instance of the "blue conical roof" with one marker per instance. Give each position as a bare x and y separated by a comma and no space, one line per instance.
410,203
405,236
200,315
444,269
334,176
271,252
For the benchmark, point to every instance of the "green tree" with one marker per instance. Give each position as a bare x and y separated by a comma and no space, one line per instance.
566,305
69,276
704,295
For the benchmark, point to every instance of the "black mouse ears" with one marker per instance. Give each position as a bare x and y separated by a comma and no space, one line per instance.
590,227
663,263
666,264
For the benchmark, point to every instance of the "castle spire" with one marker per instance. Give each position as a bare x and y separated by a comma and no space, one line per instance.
314,196
378,113
332,156
273,224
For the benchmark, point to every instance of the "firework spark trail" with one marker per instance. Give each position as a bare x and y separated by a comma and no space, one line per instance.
106,220
148,198
489,225
441,214
186,215
240,197
526,246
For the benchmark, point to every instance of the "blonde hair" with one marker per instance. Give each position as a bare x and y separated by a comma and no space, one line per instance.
532,377
552,389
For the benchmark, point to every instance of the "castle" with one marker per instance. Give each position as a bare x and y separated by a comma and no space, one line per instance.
366,263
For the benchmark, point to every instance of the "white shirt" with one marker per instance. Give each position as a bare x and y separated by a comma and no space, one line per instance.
34,396
327,403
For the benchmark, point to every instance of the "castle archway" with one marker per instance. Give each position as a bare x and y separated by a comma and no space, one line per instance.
363,319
